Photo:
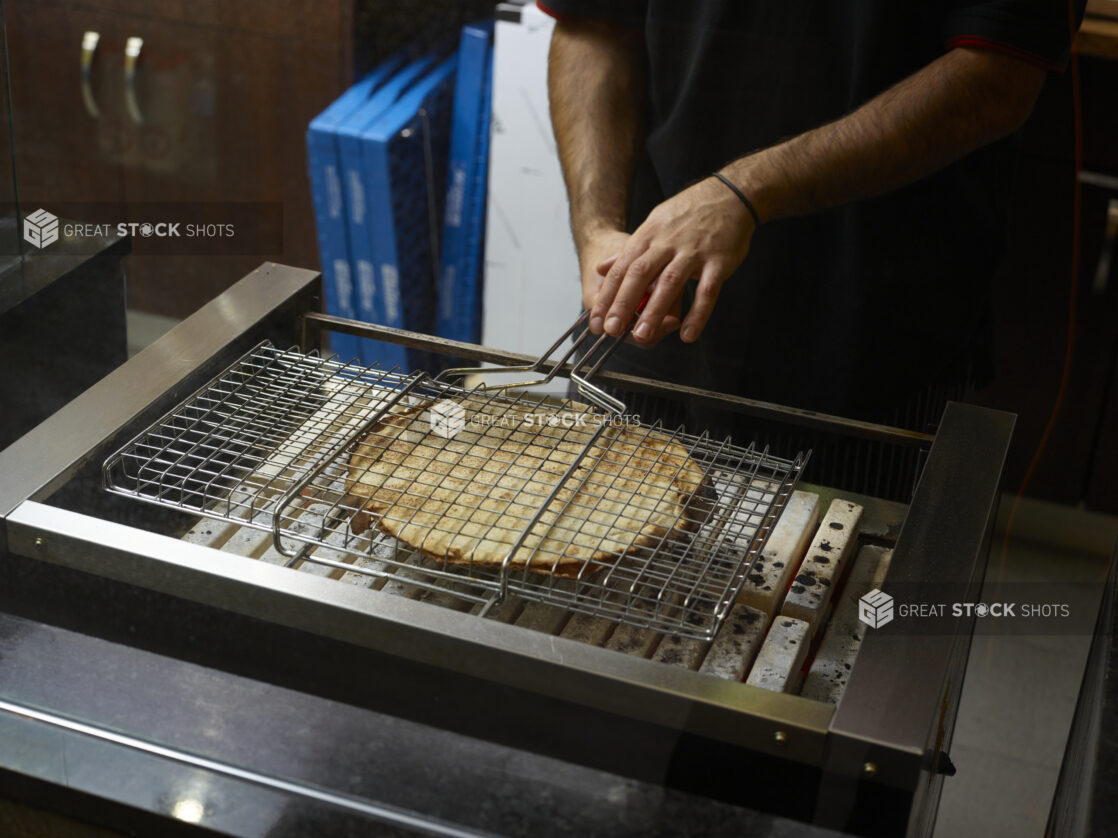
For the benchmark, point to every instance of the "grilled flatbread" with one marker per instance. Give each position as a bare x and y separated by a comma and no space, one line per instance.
466,499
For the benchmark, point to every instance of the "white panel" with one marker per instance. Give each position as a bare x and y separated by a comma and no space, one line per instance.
531,268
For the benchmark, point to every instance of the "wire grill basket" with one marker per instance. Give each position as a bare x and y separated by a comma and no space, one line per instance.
496,493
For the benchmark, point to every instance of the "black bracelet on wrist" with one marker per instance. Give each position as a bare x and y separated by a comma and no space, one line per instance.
744,200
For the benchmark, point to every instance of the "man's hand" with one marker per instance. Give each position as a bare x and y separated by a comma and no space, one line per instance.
596,255
702,232
592,252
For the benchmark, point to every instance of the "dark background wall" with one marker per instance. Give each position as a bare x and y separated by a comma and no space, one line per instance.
1034,291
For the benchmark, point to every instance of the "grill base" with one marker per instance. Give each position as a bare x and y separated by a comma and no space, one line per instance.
286,626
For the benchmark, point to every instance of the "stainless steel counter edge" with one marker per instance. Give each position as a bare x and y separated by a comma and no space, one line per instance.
681,700
43,457
254,790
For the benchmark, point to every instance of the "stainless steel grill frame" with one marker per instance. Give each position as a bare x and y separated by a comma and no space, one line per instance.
897,712
269,443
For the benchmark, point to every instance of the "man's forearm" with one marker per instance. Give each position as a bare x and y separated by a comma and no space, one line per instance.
961,101
595,87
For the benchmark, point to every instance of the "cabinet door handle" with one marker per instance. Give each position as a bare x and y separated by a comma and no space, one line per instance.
1106,254
132,49
89,49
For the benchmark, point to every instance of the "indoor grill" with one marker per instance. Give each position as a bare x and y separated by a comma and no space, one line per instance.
265,545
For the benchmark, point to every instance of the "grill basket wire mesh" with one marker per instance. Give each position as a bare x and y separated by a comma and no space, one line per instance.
337,455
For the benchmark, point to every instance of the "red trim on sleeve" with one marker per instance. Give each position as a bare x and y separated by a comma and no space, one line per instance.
980,42
547,10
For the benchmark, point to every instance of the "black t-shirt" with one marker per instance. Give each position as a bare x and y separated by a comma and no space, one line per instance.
853,309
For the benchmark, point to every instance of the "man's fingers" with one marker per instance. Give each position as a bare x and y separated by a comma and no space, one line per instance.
665,296
638,276
611,282
603,267
668,325
616,276
706,294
